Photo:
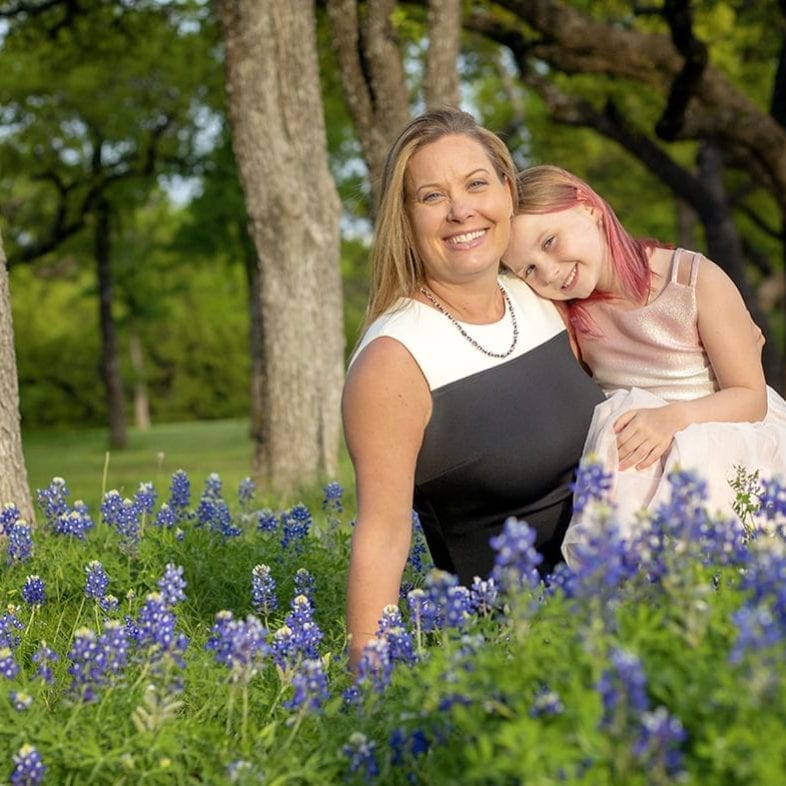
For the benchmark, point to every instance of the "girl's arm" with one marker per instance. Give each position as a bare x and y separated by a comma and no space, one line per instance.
386,406
733,344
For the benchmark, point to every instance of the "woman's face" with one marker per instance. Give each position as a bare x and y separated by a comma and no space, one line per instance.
459,209
561,255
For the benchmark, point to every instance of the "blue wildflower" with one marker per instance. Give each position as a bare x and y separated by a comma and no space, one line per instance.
401,646
418,560
239,645
310,686
331,501
658,743
546,703
9,515
296,524
246,491
623,688
375,666
180,493
145,498
483,595
172,584
20,542
9,624
516,560
772,500
304,583
263,590
9,668
29,768
53,500
34,591
166,516
85,669
361,753
20,700
592,484
43,658
404,745
74,523
267,521
97,581
298,638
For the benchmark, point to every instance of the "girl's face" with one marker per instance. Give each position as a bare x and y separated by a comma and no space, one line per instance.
459,209
561,255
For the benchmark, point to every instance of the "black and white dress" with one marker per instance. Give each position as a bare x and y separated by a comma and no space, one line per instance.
505,435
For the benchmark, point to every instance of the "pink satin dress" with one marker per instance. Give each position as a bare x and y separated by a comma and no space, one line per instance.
650,356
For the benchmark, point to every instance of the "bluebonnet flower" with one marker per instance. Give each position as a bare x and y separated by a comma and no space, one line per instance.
155,629
375,666
422,610
483,595
145,498
298,638
546,703
263,590
9,624
516,560
166,516
9,668
124,515
361,753
172,584
592,484
604,561
43,658
214,513
180,493
267,521
772,500
97,581
20,700
29,768
85,670
401,647
246,491
238,644
404,745
310,686
304,583
74,523
20,542
112,652
659,740
9,515
296,524
213,486
53,500
34,591
242,771
623,687
418,560
331,501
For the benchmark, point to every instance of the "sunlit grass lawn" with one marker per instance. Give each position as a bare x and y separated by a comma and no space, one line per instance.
199,448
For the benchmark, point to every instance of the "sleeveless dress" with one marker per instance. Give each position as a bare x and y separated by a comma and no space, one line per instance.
505,435
647,357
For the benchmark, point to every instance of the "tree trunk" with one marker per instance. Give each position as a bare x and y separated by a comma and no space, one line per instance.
441,81
279,140
256,342
141,399
14,486
110,364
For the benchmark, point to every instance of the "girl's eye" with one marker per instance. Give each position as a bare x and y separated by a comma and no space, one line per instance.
529,269
548,242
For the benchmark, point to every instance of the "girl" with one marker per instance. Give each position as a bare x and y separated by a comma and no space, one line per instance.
665,334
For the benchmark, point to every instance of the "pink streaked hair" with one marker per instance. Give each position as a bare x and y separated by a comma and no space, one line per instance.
549,189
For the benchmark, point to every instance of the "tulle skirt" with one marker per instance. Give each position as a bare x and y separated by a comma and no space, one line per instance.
713,450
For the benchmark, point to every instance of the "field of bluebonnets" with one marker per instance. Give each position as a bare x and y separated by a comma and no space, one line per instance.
186,636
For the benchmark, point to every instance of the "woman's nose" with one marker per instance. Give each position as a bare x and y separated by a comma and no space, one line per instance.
460,210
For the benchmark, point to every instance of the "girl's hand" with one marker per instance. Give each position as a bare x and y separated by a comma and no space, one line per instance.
644,435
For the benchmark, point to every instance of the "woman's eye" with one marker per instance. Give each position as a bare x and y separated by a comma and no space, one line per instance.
431,196
479,183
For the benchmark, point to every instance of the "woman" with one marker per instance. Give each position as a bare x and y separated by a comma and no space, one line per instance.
463,398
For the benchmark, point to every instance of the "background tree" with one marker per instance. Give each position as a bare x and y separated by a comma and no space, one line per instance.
13,473
278,135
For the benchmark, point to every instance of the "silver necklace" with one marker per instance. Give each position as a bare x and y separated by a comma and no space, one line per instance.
442,310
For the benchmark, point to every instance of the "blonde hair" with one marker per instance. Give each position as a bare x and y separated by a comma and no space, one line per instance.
396,267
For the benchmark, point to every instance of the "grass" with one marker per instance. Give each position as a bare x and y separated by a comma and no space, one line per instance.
200,447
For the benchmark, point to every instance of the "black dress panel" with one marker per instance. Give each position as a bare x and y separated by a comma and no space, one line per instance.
503,442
